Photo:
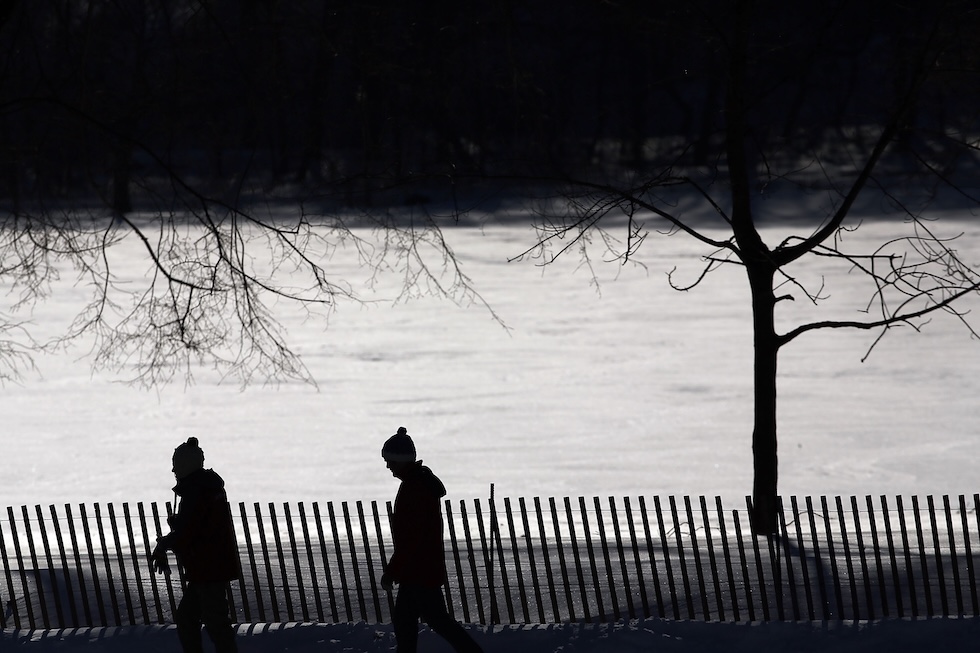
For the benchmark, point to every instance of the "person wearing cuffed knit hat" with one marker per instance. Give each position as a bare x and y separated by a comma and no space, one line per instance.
418,561
202,537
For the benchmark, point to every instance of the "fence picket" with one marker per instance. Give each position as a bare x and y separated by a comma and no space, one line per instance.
310,561
25,587
852,581
788,555
976,513
498,543
804,566
635,544
729,569
621,554
926,581
757,556
681,558
706,611
10,580
107,561
253,566
267,561
369,560
868,592
940,572
134,556
341,572
35,570
546,558
168,578
876,547
381,550
48,559
672,588
494,616
576,558
592,561
909,569
746,579
893,559
968,555
458,564
328,576
654,573
123,580
86,531
471,558
518,570
772,546
297,570
952,555
69,588
148,552
355,564
712,565
818,560
280,555
460,579
562,563
535,582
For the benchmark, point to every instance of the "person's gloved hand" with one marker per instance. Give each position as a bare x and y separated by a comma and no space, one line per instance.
158,559
386,583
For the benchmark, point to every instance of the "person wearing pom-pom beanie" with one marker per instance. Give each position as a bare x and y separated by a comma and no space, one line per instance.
202,537
418,562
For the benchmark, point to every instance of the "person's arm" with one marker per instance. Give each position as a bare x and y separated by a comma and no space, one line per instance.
182,525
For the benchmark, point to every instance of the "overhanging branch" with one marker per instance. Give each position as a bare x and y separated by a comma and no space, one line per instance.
874,324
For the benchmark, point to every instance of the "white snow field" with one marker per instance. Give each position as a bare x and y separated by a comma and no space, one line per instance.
626,387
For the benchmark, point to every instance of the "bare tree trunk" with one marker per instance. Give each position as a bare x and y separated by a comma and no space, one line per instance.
761,268
764,452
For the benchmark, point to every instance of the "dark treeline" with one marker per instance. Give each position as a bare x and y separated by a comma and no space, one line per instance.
124,99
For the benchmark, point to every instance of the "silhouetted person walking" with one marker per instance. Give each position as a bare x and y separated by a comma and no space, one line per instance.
202,537
418,562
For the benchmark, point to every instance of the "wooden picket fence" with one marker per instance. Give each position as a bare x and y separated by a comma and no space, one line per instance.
515,562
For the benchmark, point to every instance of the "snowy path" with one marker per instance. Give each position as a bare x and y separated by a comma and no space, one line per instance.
643,636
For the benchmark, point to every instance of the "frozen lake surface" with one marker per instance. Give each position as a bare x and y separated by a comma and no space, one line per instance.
622,388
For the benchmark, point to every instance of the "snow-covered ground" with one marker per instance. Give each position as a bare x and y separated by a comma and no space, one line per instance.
623,388
947,635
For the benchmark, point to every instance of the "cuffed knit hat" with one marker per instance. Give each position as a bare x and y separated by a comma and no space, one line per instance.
399,448
188,458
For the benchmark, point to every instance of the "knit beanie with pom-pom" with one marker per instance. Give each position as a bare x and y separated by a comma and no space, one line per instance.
399,448
188,458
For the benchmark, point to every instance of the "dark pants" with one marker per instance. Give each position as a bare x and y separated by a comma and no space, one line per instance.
207,604
429,605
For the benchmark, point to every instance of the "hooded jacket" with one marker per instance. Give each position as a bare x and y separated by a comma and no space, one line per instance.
202,534
419,556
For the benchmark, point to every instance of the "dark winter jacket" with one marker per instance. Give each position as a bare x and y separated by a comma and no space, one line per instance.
419,556
202,535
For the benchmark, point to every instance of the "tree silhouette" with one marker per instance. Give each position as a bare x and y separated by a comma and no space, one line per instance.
169,126
913,275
